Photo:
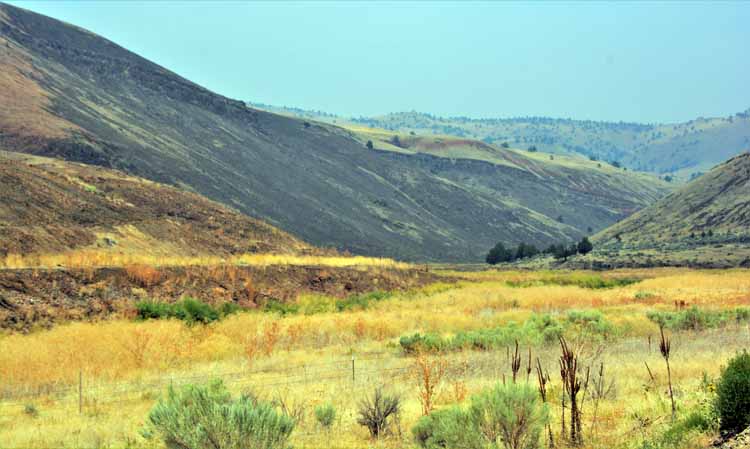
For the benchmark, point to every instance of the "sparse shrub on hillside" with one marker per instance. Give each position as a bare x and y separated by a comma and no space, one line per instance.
206,417
377,413
733,395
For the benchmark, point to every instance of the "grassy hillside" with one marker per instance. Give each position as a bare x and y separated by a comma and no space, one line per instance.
706,220
50,206
717,202
683,150
77,96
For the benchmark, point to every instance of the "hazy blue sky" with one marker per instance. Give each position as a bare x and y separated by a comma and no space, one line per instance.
609,61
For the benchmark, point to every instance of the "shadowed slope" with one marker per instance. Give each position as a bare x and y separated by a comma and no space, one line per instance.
92,101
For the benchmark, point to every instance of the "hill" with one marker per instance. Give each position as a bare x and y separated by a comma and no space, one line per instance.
683,150
51,206
76,96
708,219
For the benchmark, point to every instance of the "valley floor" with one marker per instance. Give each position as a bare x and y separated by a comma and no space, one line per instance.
92,384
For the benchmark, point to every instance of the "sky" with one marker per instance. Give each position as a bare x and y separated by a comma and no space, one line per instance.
629,61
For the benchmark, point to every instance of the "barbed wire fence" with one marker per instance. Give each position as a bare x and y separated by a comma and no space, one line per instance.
350,376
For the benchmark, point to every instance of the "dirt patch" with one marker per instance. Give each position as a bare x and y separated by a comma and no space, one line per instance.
40,298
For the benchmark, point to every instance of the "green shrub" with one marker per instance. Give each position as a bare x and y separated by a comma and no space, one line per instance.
538,329
189,310
510,416
547,327
274,305
589,322
696,319
447,428
579,280
192,310
325,415
733,395
361,301
153,310
682,431
206,417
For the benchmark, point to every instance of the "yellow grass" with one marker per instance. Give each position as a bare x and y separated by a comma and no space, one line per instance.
100,258
307,359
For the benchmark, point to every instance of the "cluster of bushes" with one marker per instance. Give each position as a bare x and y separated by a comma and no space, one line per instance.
190,310
579,280
696,319
509,416
539,329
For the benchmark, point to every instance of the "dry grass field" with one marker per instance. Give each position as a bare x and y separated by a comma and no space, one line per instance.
92,384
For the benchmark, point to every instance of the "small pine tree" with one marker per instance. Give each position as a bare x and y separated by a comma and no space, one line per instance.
369,145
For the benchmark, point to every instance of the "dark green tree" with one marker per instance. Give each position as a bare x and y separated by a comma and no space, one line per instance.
499,254
369,145
585,246
525,250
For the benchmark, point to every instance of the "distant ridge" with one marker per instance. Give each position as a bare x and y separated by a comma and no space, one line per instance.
685,149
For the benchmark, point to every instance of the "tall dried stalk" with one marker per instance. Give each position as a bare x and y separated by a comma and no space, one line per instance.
543,380
515,363
572,382
428,373
665,346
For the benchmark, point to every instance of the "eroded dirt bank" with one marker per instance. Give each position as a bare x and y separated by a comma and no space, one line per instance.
33,298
